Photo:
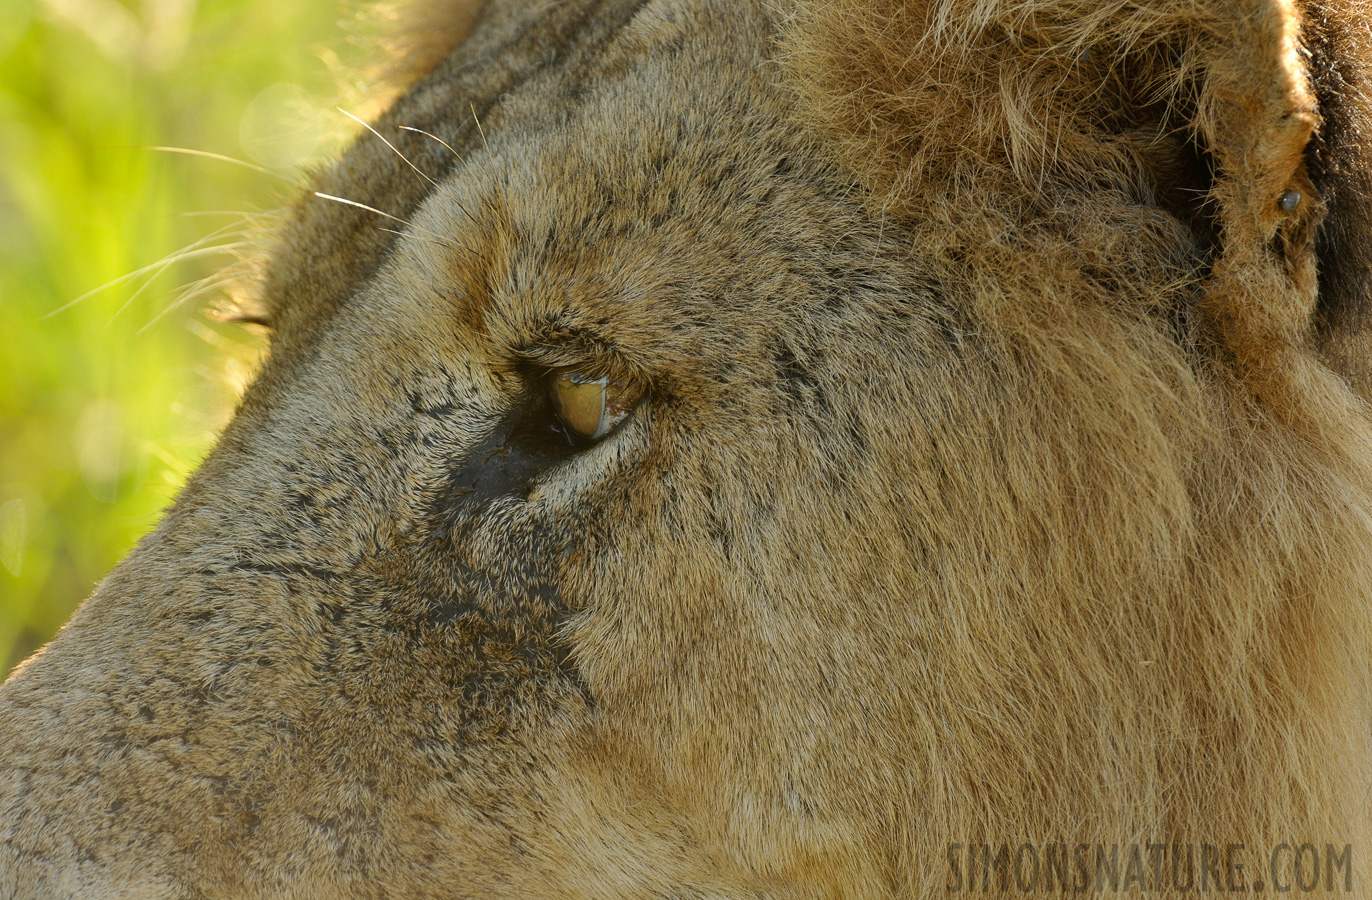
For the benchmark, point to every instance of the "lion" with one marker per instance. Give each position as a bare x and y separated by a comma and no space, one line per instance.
768,449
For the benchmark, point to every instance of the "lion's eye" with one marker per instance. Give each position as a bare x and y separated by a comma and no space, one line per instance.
590,408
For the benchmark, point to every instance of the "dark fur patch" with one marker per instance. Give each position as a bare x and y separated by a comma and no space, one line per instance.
1338,162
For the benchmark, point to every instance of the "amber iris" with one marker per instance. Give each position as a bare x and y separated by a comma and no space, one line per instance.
589,407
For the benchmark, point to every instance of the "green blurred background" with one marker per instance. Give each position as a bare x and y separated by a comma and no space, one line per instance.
107,404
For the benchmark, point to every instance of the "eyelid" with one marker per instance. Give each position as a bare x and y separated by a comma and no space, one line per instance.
575,349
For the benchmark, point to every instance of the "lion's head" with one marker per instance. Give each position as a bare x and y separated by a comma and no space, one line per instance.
762,449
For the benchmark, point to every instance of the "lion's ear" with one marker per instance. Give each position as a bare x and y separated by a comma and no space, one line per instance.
1199,107
928,90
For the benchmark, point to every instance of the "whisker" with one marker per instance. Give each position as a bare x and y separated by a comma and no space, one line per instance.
246,214
477,118
190,292
460,207
217,340
389,144
228,159
431,238
194,250
371,209
447,241
179,300
138,293
435,137
172,260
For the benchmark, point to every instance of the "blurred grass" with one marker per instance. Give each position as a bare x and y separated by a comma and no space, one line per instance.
106,406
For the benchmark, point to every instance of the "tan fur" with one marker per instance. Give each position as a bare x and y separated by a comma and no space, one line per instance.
1003,475
418,35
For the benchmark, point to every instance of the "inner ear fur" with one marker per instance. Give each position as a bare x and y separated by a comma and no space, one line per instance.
1203,109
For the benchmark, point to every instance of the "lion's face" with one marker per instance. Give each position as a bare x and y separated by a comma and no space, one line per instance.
661,486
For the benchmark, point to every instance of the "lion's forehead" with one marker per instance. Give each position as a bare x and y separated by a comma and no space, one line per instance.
661,190
540,116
